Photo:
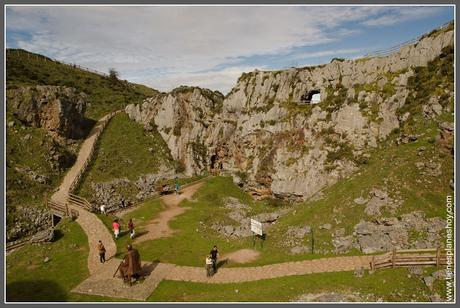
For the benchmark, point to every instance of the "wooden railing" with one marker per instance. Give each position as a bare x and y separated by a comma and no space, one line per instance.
99,131
17,244
410,257
58,209
80,202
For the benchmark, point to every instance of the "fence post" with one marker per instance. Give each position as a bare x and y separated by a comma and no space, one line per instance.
438,255
393,258
373,263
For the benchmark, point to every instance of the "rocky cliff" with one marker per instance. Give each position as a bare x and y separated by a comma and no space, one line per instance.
269,135
58,110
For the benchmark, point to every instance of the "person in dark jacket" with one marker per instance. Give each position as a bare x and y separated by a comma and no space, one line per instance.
101,249
214,254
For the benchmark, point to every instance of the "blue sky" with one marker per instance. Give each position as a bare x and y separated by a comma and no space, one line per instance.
165,47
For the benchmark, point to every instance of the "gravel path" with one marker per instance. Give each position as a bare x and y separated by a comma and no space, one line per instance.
94,228
83,156
103,283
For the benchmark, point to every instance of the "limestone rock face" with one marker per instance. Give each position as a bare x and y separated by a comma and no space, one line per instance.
185,119
58,110
272,140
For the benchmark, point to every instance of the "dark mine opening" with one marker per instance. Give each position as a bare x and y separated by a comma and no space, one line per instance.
311,97
213,161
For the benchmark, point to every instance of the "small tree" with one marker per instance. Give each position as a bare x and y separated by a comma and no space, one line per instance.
113,74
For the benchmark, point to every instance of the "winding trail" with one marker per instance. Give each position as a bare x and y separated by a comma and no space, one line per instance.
101,281
159,227
103,284
94,228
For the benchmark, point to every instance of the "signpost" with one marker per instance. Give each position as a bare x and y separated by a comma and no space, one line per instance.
256,227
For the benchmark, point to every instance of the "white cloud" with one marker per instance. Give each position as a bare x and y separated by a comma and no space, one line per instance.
222,80
162,46
401,15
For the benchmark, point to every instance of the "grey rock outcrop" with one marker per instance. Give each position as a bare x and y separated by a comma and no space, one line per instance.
388,233
278,144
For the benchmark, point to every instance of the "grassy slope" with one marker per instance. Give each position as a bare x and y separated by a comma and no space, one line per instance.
105,95
123,151
390,167
30,153
30,279
391,285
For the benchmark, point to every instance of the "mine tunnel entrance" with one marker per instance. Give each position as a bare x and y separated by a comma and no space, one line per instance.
216,164
311,97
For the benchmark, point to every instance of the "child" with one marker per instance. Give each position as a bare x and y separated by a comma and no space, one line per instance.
116,228
131,228
209,267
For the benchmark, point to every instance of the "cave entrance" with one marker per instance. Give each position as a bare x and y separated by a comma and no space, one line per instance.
216,163
213,161
311,97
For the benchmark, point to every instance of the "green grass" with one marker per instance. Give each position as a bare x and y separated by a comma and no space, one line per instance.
28,278
105,95
31,153
141,216
194,236
390,285
123,152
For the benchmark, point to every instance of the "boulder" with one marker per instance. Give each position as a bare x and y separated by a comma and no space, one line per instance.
43,236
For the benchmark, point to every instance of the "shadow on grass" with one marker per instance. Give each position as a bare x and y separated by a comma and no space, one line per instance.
58,234
35,291
221,263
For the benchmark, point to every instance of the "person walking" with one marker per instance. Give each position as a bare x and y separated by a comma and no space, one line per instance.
177,186
101,249
103,209
116,228
209,267
131,228
214,254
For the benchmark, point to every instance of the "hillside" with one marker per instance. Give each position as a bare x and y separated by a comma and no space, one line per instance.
24,68
369,166
364,171
42,142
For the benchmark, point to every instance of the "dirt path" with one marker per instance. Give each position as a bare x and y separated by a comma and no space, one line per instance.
104,285
83,156
159,227
241,256
94,228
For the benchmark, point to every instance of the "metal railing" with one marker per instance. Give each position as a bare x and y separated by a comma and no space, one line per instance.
390,50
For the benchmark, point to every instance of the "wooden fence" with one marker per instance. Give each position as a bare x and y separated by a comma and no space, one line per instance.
80,202
100,129
411,257
25,54
58,209
17,244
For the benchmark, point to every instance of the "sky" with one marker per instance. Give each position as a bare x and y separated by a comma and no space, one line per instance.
211,46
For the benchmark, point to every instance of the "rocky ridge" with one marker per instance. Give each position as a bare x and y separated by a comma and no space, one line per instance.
277,143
